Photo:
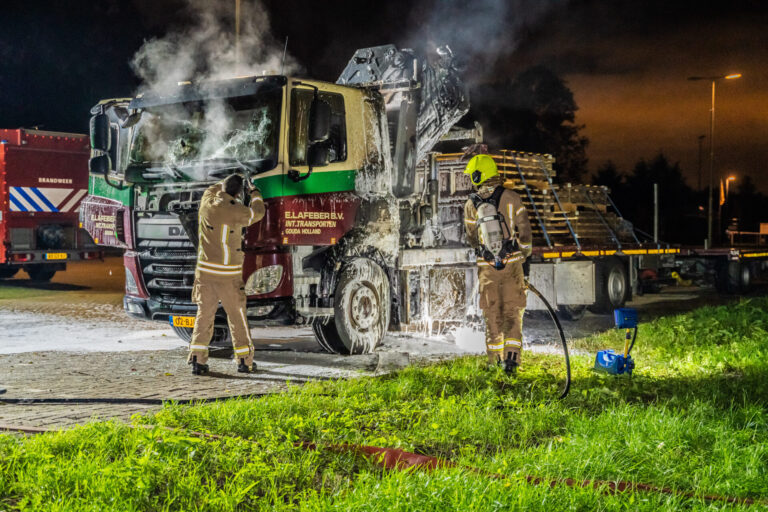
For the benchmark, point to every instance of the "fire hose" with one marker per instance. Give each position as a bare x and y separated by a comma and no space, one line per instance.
553,315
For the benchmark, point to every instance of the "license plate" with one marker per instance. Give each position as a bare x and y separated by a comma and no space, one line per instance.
183,321
55,255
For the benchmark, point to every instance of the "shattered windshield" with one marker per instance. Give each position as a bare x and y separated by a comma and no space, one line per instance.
243,128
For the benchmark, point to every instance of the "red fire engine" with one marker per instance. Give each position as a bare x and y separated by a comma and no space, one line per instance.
43,179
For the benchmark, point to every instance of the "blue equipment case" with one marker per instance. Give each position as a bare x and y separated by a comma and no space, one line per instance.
609,361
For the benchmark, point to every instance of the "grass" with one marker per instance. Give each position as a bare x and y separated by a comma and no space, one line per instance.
693,418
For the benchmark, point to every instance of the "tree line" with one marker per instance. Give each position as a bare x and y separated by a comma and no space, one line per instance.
535,111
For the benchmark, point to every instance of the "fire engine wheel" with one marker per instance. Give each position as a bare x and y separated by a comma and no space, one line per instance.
361,310
7,273
40,274
611,286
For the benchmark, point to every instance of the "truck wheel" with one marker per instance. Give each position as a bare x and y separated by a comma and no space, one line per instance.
361,310
220,336
611,286
7,273
40,274
733,277
184,333
573,313
325,330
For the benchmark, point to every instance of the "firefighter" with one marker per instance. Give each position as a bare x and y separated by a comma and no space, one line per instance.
501,236
219,272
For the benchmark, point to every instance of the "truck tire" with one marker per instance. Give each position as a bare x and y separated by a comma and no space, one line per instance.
574,313
220,336
325,330
733,277
361,310
41,274
7,273
611,285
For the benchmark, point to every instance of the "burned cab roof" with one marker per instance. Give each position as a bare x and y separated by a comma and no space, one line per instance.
231,88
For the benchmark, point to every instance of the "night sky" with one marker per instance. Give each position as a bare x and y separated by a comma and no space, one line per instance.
626,61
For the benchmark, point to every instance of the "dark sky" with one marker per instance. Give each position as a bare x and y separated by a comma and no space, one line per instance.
625,60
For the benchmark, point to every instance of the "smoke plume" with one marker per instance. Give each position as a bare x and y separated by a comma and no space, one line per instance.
205,47
483,33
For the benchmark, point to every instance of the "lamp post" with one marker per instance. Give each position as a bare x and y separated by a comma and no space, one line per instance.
701,138
713,79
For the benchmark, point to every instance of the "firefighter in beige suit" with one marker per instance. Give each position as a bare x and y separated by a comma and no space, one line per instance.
500,266
219,272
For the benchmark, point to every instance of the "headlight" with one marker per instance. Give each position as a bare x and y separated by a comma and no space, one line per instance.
130,284
264,280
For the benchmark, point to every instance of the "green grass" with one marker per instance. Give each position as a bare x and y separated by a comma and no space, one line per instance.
693,418
10,291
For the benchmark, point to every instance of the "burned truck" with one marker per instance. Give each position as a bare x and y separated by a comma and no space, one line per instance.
332,162
361,233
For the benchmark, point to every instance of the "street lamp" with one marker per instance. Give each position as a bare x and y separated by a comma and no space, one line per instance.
727,183
712,79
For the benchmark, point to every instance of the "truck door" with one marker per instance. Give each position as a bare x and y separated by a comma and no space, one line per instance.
106,212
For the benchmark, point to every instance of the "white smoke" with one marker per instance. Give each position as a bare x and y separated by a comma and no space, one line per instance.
483,33
205,48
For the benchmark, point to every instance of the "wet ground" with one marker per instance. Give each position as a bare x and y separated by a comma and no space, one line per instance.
70,339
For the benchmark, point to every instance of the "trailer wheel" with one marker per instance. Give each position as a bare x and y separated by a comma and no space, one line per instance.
40,274
573,313
361,310
7,273
733,277
611,286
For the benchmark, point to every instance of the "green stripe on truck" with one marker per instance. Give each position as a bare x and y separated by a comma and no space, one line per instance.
317,183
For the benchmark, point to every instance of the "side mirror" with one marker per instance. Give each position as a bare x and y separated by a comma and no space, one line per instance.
319,121
318,155
134,175
101,164
100,136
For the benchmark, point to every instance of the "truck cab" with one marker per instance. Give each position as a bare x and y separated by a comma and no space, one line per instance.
318,153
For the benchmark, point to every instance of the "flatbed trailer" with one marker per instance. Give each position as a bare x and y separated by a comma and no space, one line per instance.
585,254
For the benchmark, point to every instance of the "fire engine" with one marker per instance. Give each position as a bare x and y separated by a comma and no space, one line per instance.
43,180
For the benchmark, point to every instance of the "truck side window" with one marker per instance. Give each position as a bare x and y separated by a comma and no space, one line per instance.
301,99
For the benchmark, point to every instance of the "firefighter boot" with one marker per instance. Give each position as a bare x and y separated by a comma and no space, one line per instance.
511,363
244,368
497,365
198,368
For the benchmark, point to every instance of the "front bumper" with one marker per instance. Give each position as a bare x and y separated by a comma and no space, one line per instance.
38,257
260,312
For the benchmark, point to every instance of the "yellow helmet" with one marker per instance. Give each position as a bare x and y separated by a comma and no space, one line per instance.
481,168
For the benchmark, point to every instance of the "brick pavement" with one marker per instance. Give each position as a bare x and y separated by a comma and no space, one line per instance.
153,374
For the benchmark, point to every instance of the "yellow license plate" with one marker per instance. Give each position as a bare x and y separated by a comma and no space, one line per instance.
183,321
55,255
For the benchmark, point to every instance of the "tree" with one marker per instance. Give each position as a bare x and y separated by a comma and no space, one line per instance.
609,176
534,112
679,219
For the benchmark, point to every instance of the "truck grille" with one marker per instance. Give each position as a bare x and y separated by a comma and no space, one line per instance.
168,267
